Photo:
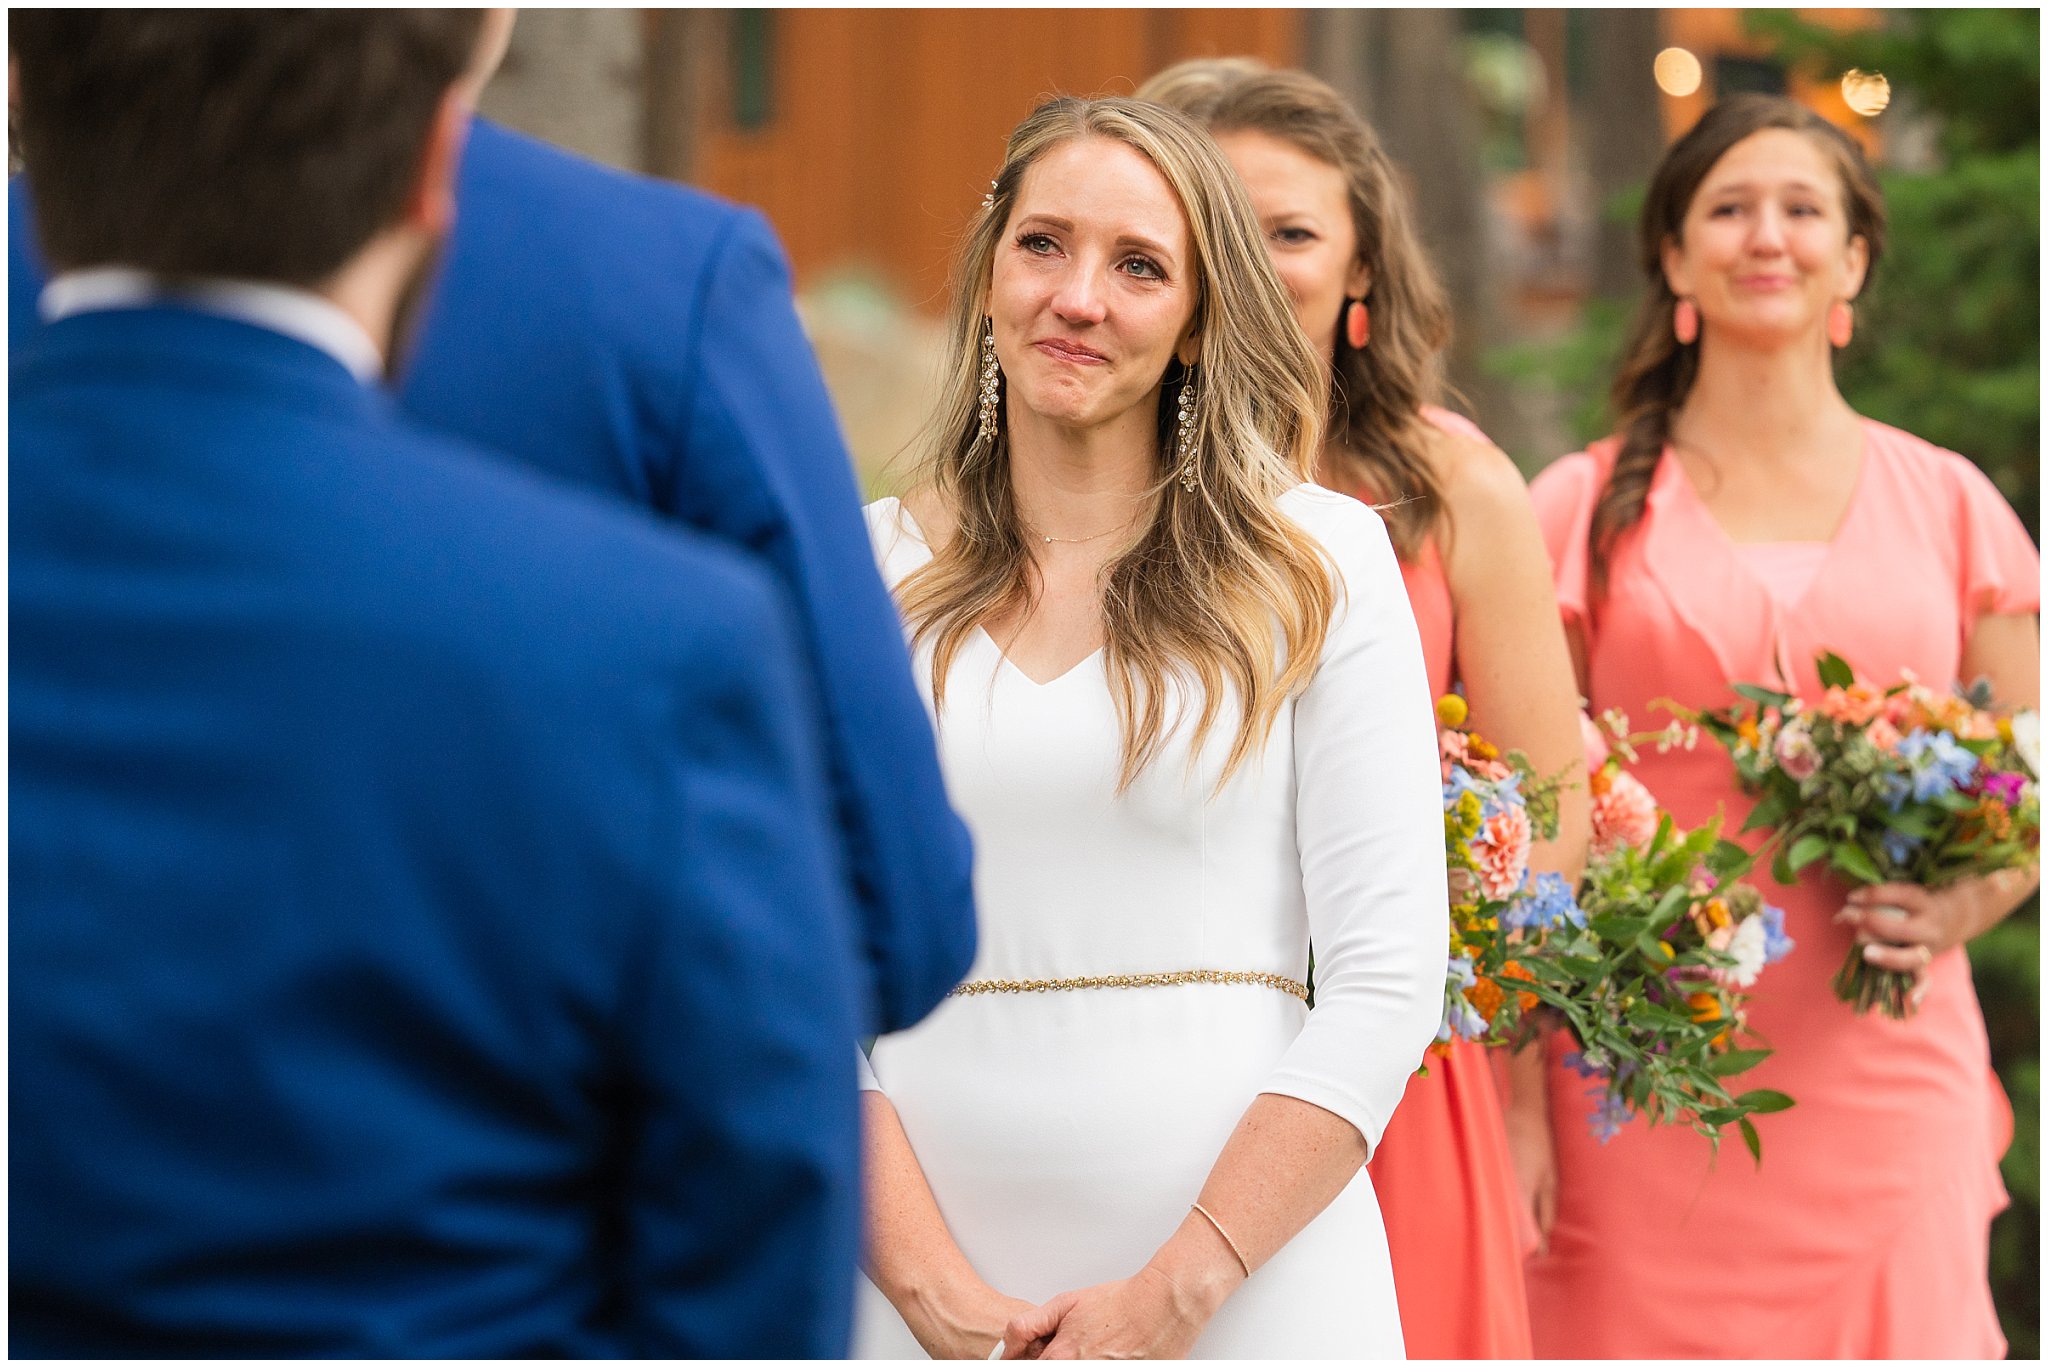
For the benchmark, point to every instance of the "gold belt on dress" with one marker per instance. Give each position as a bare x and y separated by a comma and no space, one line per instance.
976,987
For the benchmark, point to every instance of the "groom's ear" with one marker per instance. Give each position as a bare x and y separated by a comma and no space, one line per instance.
430,207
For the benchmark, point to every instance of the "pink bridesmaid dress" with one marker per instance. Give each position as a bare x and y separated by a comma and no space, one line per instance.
1865,1233
1443,1175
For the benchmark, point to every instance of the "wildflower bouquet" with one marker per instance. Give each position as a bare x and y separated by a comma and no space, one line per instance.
1646,965
1495,808
1650,969
1903,785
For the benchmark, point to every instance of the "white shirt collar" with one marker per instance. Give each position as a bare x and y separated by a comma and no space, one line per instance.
297,314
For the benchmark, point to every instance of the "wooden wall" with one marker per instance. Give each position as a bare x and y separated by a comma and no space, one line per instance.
884,126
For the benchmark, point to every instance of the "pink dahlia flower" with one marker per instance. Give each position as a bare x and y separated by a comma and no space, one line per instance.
1625,815
1502,850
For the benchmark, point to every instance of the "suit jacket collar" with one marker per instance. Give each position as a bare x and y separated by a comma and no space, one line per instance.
170,345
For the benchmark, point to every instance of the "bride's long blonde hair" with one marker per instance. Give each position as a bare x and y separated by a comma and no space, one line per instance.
1218,588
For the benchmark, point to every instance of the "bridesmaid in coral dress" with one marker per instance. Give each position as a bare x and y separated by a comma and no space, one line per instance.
1744,520
1338,229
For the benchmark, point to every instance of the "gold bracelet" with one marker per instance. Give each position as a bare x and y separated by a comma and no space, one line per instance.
1241,1261
976,987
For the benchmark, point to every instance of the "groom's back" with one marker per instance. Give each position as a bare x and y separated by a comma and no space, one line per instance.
420,938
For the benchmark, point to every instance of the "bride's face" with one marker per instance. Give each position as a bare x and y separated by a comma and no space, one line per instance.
1093,288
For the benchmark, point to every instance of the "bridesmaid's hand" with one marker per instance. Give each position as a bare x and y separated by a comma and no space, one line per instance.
1535,1158
1903,927
1141,1317
1525,1107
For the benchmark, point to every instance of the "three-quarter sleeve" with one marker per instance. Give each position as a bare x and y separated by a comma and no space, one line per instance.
1564,495
2001,566
1369,829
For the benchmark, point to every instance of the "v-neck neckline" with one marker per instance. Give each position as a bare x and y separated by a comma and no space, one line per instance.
909,521
1025,675
1732,549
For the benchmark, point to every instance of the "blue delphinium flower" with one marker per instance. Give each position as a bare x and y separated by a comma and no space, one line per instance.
1506,793
1461,783
1897,789
1940,764
1899,846
1547,903
1777,944
1583,1067
1460,968
1610,1114
1466,1021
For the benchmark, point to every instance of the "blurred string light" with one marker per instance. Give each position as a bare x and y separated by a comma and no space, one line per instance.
1677,71
1866,92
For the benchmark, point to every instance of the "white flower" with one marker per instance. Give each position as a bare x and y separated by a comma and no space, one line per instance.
1748,949
2026,739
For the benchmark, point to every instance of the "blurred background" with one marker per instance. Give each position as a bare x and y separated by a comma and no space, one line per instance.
869,136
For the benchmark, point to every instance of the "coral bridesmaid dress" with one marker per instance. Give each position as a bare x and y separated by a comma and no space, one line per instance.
1865,1232
1456,1225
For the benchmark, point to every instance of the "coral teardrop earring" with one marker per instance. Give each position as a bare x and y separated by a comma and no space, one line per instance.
1357,325
1685,322
1841,322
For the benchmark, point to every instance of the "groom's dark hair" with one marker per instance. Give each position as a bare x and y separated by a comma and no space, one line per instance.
259,144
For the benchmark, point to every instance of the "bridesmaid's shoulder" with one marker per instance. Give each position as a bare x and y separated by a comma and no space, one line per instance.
1481,483
1925,466
1575,479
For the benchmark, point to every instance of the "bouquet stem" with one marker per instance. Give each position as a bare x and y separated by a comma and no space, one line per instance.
1865,985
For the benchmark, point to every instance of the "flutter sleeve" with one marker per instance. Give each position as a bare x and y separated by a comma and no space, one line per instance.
2001,566
1369,830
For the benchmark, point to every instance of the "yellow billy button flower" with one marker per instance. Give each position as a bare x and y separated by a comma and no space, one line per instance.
1451,711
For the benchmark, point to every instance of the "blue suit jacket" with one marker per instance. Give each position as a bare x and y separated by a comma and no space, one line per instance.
638,338
421,937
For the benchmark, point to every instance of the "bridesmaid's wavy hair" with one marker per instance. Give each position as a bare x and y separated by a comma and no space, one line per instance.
1657,373
1377,392
1218,588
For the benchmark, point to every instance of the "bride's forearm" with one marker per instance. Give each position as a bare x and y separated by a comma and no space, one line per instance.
1285,1162
908,1247
910,1254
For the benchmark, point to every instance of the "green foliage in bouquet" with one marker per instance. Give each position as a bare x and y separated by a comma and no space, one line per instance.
1650,981
1646,963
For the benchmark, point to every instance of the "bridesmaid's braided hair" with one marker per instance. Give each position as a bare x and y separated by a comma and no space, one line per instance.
1379,438
1656,372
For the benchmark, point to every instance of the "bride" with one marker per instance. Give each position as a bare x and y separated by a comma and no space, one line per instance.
1182,706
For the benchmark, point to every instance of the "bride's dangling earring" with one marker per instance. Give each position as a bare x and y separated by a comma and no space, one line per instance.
990,383
1184,435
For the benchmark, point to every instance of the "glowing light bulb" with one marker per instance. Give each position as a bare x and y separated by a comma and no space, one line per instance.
1866,92
1677,71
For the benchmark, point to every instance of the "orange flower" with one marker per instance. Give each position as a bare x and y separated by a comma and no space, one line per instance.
1480,748
1486,998
1514,970
1746,731
1855,705
1705,1006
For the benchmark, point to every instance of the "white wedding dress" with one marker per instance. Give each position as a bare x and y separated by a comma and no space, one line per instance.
1065,1133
